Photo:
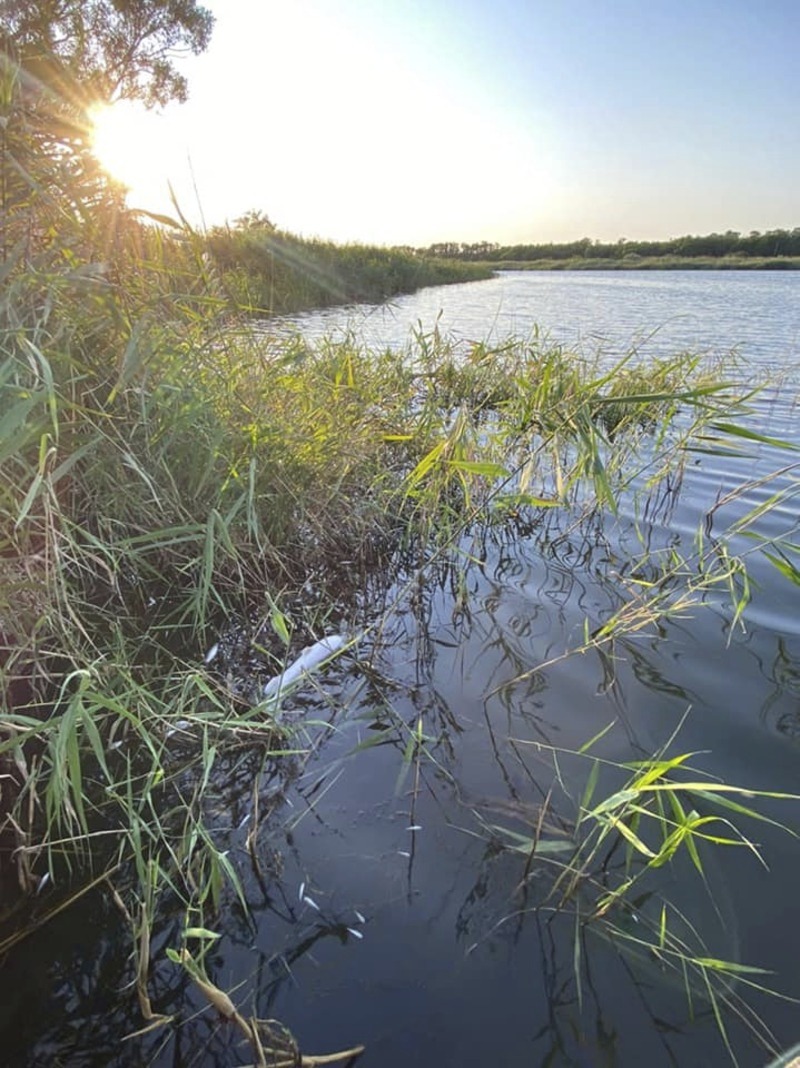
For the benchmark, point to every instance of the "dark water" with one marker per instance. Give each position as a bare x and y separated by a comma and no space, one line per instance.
424,943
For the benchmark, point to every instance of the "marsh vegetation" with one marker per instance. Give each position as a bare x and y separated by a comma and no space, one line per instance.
203,487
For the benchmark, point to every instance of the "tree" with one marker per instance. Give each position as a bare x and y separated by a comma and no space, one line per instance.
254,220
106,49
58,58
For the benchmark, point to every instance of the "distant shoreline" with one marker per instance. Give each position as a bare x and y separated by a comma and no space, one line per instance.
653,263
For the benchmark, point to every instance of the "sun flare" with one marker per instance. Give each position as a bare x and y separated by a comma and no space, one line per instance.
133,146
118,137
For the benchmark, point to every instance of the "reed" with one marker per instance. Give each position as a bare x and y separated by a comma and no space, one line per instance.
171,482
272,272
600,857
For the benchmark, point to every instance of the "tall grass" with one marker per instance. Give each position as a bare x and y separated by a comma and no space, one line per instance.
274,272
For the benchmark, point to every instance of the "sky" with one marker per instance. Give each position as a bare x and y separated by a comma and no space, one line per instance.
513,121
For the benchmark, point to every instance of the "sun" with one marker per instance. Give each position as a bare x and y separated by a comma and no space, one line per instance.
119,134
133,146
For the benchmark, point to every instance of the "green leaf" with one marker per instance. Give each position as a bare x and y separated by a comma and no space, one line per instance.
741,810
591,783
601,733
622,797
728,966
12,422
525,844
279,625
656,769
691,845
751,435
132,359
488,470
786,567
426,464
30,497
202,933
634,839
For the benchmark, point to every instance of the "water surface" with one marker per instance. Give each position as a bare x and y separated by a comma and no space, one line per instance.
752,312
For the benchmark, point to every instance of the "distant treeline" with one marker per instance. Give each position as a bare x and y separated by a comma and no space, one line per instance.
274,272
773,243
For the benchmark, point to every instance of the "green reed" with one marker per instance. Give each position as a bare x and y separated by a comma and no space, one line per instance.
271,272
602,861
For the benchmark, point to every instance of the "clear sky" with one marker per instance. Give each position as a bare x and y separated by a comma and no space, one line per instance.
415,121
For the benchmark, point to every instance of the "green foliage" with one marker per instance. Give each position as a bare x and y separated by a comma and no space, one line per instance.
59,59
104,49
773,248
272,272
600,870
163,468
160,472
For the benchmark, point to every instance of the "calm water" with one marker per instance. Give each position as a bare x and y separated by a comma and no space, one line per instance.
755,313
421,943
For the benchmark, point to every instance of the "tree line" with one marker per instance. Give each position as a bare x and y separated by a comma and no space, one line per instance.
769,244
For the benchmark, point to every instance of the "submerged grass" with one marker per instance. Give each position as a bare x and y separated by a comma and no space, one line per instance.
602,860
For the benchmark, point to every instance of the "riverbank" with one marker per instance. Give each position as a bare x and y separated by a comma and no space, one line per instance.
270,272
729,250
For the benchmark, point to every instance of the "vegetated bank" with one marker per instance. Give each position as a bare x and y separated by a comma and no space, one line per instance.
632,262
272,272
773,250
163,475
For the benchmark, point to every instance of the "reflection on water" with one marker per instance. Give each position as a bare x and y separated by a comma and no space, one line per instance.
383,907
385,904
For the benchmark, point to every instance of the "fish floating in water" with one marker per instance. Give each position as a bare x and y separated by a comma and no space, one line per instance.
310,658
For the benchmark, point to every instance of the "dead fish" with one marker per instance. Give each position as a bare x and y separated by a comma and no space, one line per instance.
311,657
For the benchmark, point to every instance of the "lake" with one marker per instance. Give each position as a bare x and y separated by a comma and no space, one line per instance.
385,911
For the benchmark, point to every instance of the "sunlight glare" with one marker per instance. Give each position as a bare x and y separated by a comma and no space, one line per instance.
133,147
366,144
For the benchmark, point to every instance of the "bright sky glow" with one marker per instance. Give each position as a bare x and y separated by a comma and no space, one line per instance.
414,121
133,146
